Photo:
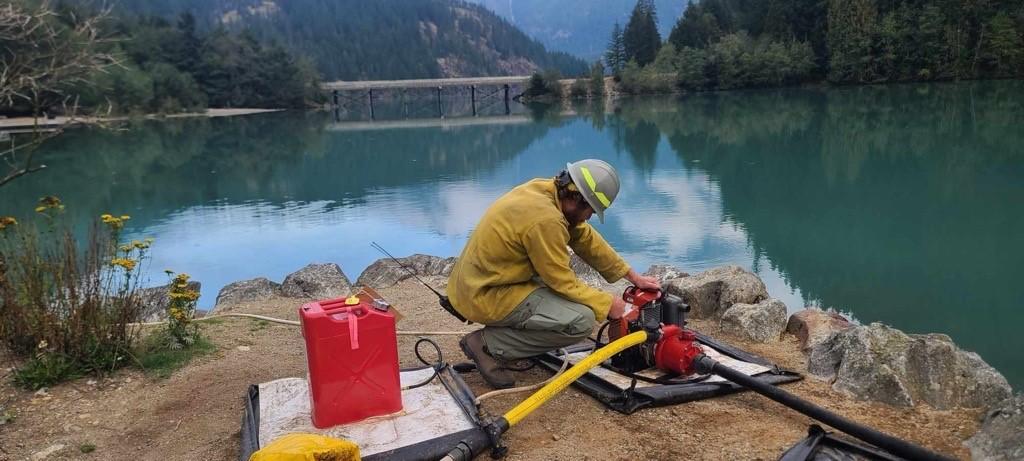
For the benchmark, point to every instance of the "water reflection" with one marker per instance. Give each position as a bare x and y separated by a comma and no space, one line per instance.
897,203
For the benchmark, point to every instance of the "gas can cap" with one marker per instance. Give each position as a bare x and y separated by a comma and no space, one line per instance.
352,300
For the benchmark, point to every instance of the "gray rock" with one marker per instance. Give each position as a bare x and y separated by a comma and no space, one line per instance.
882,364
46,452
384,272
1001,435
762,322
155,300
664,273
317,281
812,326
256,289
710,293
592,277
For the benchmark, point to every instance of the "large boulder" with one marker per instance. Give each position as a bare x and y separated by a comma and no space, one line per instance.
317,281
882,364
812,326
385,272
592,277
710,293
762,322
664,273
154,301
1001,436
256,289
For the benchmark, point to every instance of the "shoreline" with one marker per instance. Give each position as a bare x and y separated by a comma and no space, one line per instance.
15,123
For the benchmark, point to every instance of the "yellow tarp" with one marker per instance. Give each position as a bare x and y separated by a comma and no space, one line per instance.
307,447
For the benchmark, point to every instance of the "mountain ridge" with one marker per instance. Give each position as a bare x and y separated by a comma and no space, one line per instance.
579,27
382,39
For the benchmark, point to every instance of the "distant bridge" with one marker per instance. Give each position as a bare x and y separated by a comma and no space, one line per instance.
414,95
367,85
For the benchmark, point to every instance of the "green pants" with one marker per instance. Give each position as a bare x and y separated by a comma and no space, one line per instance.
543,322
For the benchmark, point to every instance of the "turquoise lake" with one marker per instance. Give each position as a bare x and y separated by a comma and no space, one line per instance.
902,204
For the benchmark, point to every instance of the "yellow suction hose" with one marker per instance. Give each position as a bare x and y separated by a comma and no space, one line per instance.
545,393
473,445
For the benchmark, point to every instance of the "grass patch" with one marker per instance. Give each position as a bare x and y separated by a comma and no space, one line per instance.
87,448
46,370
259,325
157,358
6,417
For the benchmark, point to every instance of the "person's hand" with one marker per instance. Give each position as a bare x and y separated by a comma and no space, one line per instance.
643,282
618,308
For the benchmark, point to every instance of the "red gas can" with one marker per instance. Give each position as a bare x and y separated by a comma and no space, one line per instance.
352,353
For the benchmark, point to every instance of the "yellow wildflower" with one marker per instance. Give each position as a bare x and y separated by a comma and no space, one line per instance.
127,264
48,202
7,221
125,217
114,222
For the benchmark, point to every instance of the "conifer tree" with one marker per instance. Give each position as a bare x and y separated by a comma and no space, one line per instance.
641,37
615,57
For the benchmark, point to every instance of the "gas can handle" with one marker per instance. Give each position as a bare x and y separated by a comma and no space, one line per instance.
353,329
341,304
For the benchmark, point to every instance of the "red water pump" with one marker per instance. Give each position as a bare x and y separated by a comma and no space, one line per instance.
670,347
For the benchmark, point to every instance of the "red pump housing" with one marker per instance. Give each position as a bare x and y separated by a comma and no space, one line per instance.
676,350
352,354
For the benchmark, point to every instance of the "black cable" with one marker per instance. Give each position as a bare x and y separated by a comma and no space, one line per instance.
416,350
600,332
436,366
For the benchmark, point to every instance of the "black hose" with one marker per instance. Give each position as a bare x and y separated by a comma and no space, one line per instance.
437,365
896,446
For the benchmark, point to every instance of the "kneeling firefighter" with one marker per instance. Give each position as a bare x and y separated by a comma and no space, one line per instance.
514,275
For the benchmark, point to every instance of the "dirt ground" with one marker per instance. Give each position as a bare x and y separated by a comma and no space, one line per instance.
195,414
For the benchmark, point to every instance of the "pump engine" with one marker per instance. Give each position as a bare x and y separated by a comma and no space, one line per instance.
670,347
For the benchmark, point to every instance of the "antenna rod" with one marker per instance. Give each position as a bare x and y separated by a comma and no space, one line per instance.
442,299
382,250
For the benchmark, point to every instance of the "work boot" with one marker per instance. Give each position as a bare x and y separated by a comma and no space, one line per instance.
490,368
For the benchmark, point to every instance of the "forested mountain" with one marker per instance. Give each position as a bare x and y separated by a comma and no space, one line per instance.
139,65
579,27
378,39
862,41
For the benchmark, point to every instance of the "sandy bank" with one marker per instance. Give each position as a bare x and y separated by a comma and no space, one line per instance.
29,122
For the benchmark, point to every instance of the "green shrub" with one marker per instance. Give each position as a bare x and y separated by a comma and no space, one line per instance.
171,347
636,80
6,417
45,370
578,88
597,80
544,85
65,309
